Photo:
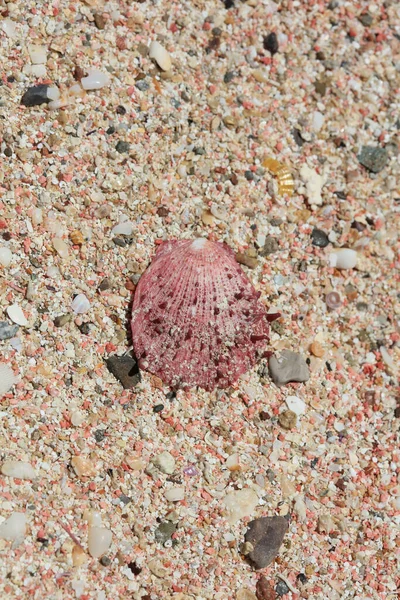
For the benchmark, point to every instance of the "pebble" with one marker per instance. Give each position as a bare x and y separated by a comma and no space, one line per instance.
123,228
333,300
319,238
62,320
158,53
77,238
80,304
125,369
264,591
317,121
245,259
79,556
271,246
83,467
7,331
122,147
314,184
290,366
265,534
60,247
8,26
344,258
14,528
175,494
142,85
16,315
5,256
296,405
270,43
99,20
165,462
19,469
164,531
36,95
373,158
99,541
239,504
317,349
95,80
287,419
245,594
37,54
282,588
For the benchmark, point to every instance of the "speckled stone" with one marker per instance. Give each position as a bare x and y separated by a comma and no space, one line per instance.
290,366
373,158
164,531
7,331
266,536
319,238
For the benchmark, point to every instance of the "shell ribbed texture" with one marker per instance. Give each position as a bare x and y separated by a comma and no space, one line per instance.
196,318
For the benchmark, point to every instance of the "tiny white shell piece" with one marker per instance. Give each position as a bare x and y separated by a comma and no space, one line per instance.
19,469
37,54
5,256
344,258
296,405
95,80
99,541
80,304
160,55
7,379
175,494
123,228
14,528
16,315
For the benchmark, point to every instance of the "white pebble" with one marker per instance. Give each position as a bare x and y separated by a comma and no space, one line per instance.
14,528
95,80
239,504
80,304
124,228
8,27
37,216
61,247
387,359
7,379
19,469
175,494
16,315
77,418
317,121
296,405
37,54
53,93
5,256
53,272
345,258
165,462
99,541
160,55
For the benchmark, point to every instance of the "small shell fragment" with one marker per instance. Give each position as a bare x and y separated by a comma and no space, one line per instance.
344,258
95,80
283,175
14,528
80,304
5,256
7,379
99,541
19,469
16,315
160,55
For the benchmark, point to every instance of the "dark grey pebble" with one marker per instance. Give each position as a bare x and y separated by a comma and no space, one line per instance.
164,531
373,158
7,331
271,43
319,238
271,246
249,175
142,85
62,320
36,95
229,76
266,536
366,19
105,284
290,366
125,369
282,588
122,147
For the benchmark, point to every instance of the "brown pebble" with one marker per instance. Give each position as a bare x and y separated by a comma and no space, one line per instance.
287,419
207,218
76,237
62,320
245,259
99,20
234,179
79,73
317,350
264,591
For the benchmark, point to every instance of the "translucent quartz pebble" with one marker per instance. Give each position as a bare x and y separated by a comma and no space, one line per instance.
7,379
123,228
14,528
8,26
175,494
296,405
99,541
60,247
95,80
160,55
19,469
16,315
37,54
345,258
5,256
239,504
80,304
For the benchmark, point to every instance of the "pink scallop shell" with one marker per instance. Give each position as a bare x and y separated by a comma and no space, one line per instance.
196,318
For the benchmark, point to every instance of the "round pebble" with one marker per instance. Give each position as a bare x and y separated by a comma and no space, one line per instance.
99,541
80,304
160,55
5,256
345,258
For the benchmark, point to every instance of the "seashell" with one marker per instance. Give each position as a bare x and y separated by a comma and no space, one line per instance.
16,315
283,175
158,53
80,304
196,318
7,379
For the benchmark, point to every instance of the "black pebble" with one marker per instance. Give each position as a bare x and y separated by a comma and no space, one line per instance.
99,435
229,4
271,43
297,137
105,561
249,175
319,238
229,76
36,95
281,588
110,130
121,110
84,328
158,408
122,147
125,369
136,570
